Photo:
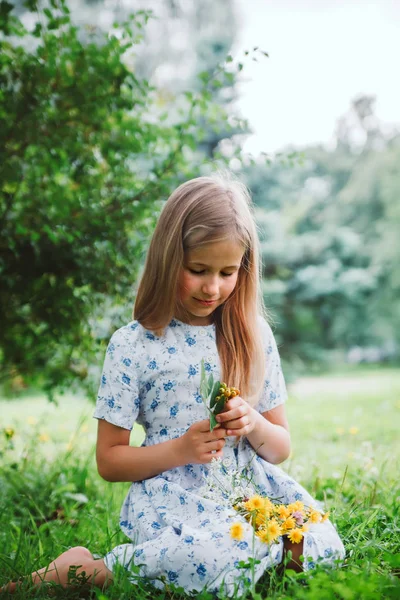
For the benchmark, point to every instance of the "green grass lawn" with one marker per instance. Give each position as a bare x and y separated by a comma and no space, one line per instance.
346,450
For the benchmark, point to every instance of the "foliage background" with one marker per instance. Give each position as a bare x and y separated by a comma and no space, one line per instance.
98,123
89,150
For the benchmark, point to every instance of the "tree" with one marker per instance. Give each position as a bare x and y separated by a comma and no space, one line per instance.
86,157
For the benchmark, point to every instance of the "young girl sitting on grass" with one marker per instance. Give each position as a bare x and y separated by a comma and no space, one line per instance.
198,299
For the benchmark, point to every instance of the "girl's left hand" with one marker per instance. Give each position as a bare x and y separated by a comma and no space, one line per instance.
238,418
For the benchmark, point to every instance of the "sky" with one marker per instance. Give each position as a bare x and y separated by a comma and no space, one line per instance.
322,54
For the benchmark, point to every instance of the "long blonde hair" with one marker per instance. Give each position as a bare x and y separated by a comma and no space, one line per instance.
199,212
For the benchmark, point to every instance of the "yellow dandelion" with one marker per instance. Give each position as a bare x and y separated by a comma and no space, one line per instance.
274,529
267,537
282,511
289,523
353,430
262,534
295,536
325,517
260,519
254,503
304,528
268,505
43,437
237,531
9,432
340,430
315,516
296,506
31,420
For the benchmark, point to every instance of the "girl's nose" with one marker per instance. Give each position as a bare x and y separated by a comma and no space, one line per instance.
210,287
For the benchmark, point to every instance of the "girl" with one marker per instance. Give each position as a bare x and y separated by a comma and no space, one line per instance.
199,298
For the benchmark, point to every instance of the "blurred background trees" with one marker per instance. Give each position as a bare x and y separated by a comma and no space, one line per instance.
331,243
98,124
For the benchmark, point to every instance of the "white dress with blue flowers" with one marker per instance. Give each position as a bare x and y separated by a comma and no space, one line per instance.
176,535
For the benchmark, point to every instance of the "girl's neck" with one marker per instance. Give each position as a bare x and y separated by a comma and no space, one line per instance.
194,322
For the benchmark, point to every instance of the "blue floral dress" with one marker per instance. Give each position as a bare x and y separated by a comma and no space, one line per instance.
178,536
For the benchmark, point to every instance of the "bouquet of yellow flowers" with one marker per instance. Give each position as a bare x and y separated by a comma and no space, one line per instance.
268,517
271,520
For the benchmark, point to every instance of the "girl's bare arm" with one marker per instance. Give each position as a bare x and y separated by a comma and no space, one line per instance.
270,436
117,461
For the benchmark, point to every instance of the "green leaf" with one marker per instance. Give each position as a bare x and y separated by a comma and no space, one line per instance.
214,393
210,383
213,422
37,32
5,9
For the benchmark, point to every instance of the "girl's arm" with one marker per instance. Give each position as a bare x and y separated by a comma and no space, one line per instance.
267,432
270,436
117,461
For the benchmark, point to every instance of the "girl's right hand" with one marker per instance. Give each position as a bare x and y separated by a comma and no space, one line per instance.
199,445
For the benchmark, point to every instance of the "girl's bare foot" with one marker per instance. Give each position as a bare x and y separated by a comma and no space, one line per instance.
72,568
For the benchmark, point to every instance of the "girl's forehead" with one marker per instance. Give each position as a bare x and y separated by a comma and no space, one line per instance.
226,253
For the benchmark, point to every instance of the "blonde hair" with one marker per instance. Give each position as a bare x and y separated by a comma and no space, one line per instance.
199,212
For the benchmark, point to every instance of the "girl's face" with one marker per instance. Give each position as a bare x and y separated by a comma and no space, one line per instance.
207,279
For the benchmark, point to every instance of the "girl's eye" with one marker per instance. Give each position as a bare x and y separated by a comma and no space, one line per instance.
201,272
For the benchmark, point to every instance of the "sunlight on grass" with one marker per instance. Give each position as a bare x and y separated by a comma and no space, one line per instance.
342,420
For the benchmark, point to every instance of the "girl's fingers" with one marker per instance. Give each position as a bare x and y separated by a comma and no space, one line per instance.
217,434
232,415
202,426
233,403
237,424
215,445
239,431
212,455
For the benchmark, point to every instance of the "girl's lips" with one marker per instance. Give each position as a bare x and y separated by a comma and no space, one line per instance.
206,302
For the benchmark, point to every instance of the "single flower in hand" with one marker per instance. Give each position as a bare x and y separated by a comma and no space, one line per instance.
214,395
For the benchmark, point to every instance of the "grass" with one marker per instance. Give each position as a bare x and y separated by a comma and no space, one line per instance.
346,450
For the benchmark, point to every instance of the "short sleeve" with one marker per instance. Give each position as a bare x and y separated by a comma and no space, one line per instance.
274,389
118,398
